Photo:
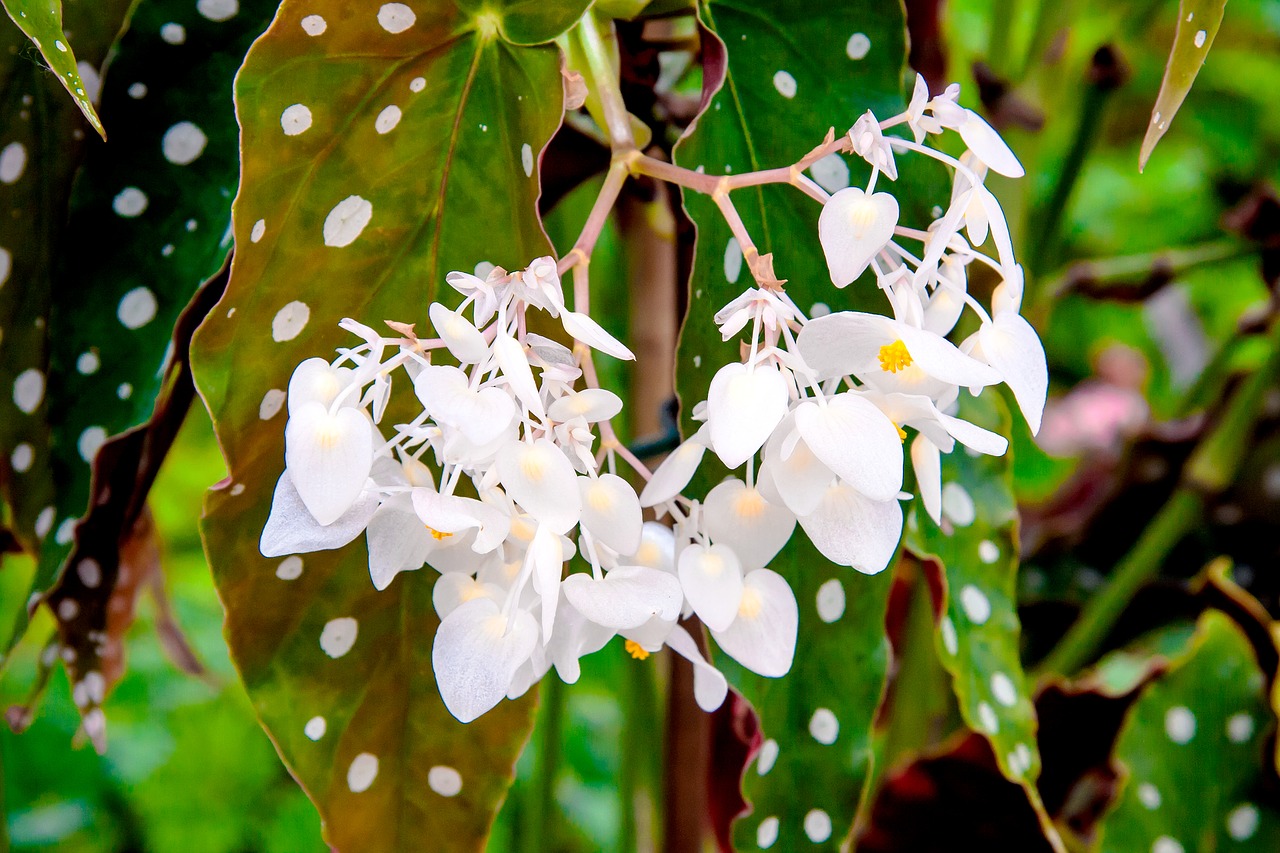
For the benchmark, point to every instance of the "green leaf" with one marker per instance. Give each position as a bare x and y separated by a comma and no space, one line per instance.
754,120
41,146
1192,753
41,21
150,217
433,132
1198,22
977,636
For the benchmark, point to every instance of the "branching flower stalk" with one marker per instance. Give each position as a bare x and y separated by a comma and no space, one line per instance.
503,476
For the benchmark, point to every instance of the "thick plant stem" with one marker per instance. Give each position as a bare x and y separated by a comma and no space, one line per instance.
1210,470
605,82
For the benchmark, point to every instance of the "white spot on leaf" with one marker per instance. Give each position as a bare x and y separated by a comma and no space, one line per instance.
396,17
290,321
987,718
138,91
831,172
975,604
345,222
23,455
89,442
785,84
1149,796
817,826
315,728
526,159
13,162
295,119
218,10
183,143
417,84
271,403
88,362
362,772
1239,727
338,636
259,228
89,572
44,522
767,756
1242,822
173,33
28,390
387,119
1201,35
830,601
137,308
767,833
732,260
858,46
290,568
988,551
1002,688
1180,724
314,25
445,781
824,727
129,202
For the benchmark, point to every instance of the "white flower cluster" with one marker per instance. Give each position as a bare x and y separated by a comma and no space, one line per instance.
824,404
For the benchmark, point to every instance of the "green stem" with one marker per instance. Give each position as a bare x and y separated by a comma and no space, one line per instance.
551,727
604,80
1212,468
1044,245
1003,13
1125,268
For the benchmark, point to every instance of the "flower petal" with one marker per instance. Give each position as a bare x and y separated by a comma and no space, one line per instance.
611,512
741,517
515,367
625,598
850,529
709,686
743,407
984,142
927,463
856,441
712,581
591,333
538,476
291,529
591,404
398,542
462,338
476,655
1013,348
329,456
316,381
673,474
763,636
852,228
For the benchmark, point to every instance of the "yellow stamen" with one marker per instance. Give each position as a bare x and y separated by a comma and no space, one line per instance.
902,433
637,651
894,357
437,534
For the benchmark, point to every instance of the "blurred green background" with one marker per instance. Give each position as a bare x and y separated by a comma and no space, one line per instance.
188,768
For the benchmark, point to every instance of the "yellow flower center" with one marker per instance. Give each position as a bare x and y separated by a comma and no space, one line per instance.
637,651
902,433
438,535
894,357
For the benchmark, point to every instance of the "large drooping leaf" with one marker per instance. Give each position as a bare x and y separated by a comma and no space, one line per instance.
41,21
778,76
421,126
41,145
1193,754
978,634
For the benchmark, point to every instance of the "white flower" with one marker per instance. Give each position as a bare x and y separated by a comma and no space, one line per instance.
851,529
762,637
476,654
538,476
872,463
711,578
329,455
869,144
853,227
741,517
744,404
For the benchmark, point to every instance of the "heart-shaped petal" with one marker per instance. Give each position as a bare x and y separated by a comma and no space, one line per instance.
328,456
291,529
856,441
712,581
625,598
591,404
850,529
611,512
852,228
538,476
481,416
763,636
317,381
791,469
741,517
743,407
476,654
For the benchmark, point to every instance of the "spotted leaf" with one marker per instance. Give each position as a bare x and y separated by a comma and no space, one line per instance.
1198,22
1192,753
41,21
775,73
977,635
149,217
382,147
41,145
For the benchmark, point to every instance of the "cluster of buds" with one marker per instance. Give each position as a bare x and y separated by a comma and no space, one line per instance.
816,418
